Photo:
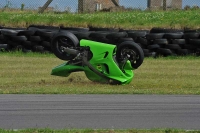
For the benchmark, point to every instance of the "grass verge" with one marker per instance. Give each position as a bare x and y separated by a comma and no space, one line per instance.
30,74
178,19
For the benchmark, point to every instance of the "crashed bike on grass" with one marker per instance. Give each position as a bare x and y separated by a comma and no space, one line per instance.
101,62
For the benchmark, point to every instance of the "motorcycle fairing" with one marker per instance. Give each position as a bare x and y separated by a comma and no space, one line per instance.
102,66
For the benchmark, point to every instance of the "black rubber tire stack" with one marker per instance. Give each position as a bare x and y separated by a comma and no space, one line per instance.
154,42
192,39
40,41
11,40
3,44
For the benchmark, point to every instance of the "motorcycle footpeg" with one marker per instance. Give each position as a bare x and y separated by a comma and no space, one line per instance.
70,50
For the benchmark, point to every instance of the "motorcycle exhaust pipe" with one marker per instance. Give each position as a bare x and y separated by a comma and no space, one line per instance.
70,50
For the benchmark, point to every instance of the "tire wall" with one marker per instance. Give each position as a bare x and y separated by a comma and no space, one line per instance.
154,42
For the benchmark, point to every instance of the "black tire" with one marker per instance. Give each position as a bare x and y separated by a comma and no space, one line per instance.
34,29
142,46
190,30
35,38
194,35
190,47
179,41
137,34
1,37
161,41
6,38
45,33
3,47
26,33
152,36
116,35
46,44
173,46
146,50
147,53
100,34
27,44
142,41
182,52
2,42
133,50
9,47
19,38
66,39
74,32
31,27
37,48
198,52
195,42
153,47
97,29
12,28
12,43
164,52
124,39
163,30
35,43
9,32
82,35
74,29
173,35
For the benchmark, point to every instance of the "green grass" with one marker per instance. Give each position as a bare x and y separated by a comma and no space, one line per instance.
178,19
97,131
30,74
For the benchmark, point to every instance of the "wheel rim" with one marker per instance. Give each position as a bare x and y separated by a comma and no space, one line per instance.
130,54
63,42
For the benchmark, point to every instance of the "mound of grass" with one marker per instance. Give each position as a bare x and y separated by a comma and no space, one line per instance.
128,20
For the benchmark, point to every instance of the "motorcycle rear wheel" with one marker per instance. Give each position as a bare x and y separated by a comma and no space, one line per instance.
64,39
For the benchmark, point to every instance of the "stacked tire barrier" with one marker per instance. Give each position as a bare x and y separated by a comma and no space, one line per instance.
154,42
30,39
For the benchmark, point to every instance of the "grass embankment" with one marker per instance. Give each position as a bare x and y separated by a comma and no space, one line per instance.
30,74
178,19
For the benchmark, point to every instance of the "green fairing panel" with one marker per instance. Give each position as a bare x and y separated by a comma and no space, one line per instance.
64,70
103,61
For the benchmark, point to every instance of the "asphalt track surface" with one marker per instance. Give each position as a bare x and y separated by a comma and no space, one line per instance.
100,111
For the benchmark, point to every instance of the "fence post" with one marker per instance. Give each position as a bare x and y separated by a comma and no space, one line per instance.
115,3
164,5
45,6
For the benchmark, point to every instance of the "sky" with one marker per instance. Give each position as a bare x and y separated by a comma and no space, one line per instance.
62,4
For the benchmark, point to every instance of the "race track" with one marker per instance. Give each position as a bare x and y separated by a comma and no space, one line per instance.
100,111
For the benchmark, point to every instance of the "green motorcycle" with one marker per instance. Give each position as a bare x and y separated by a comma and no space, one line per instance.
101,62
